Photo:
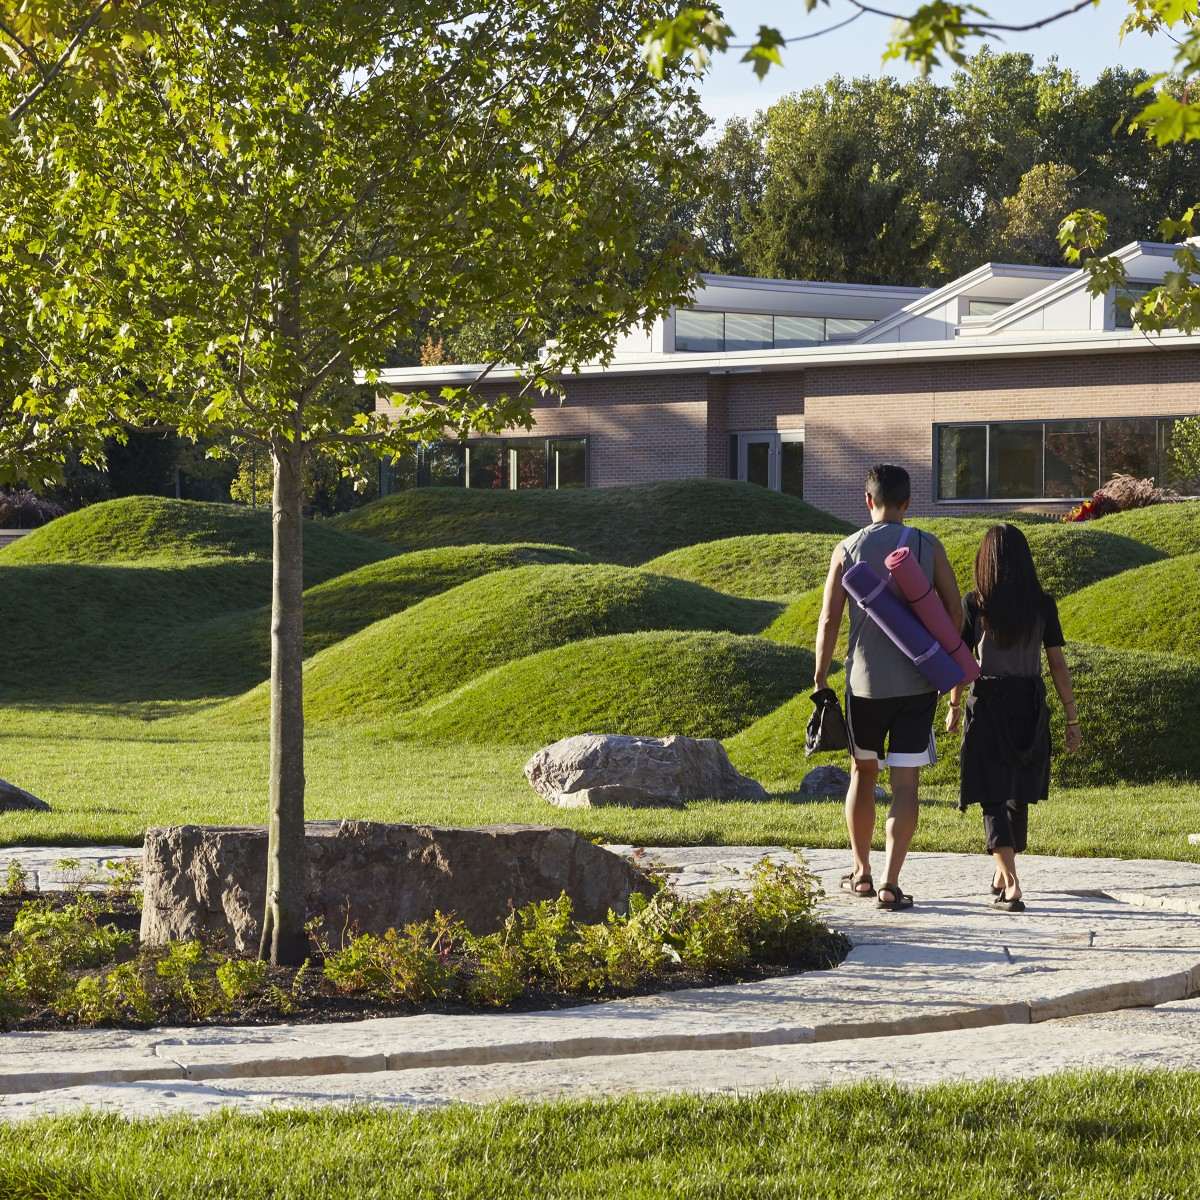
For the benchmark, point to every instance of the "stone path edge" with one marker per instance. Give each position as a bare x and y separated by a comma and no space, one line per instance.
1146,993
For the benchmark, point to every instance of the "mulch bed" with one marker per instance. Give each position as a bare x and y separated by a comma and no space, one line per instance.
316,1003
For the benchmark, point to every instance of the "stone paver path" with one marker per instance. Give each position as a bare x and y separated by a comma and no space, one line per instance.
1102,970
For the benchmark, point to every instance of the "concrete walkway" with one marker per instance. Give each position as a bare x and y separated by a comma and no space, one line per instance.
1102,970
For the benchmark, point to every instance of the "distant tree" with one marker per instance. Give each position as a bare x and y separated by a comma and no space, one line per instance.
283,190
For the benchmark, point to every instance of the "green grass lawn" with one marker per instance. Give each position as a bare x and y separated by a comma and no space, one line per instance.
627,525
129,696
1085,1136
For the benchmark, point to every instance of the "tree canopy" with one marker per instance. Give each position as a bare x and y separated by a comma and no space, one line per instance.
275,192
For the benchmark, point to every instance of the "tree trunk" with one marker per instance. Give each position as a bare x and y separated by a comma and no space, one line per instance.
283,936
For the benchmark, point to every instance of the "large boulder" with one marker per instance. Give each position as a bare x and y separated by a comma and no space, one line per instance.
591,770
831,782
12,797
210,882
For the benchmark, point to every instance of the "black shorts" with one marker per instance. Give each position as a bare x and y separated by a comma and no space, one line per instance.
904,724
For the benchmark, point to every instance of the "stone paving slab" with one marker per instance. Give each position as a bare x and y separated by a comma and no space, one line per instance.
952,969
1148,1039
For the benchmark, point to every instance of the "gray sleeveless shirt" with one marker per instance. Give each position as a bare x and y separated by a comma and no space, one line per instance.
875,667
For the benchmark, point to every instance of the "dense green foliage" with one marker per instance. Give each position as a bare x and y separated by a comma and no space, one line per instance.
779,564
620,524
652,684
68,960
875,181
1079,1136
1149,608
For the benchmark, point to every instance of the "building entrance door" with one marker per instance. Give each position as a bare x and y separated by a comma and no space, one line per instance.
770,459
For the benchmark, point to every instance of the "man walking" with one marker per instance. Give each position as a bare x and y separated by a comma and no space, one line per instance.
890,705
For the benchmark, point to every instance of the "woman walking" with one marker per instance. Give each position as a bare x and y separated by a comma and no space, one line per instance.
1005,759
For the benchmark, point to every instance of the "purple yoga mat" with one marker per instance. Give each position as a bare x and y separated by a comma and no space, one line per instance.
927,608
895,618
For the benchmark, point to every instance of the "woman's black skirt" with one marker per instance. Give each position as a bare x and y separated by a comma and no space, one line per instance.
1005,756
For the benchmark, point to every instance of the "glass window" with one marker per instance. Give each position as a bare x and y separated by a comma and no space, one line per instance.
791,467
527,464
1180,471
758,462
699,331
444,464
845,327
1015,461
487,464
962,462
398,474
747,331
798,331
568,463
1123,300
986,308
1072,464
1128,448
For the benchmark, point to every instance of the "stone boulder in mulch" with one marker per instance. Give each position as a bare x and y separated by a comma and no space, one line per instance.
592,770
13,797
832,782
210,882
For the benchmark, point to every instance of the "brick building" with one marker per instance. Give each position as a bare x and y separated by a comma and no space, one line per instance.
1009,387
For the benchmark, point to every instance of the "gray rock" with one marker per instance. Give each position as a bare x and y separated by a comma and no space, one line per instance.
211,881
13,797
832,782
592,770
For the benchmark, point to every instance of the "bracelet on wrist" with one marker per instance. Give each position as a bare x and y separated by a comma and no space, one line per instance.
1075,722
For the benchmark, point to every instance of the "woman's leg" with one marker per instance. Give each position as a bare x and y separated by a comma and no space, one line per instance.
998,826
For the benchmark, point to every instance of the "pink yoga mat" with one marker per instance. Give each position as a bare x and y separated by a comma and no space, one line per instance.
896,619
922,599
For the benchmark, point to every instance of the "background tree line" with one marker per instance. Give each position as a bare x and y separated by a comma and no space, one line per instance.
874,181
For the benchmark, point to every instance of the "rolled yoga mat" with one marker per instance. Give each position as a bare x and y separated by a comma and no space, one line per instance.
927,608
895,618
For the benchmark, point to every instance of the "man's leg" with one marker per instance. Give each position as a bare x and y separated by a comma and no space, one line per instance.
901,822
860,812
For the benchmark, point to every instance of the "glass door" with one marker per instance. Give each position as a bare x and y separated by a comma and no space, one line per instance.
758,459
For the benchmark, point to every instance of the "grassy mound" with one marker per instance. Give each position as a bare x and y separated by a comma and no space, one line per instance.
758,565
117,633
1171,528
1136,709
1068,556
653,684
620,524
153,531
1150,608
440,643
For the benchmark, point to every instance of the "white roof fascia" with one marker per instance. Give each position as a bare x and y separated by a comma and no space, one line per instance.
957,287
749,362
807,287
1074,281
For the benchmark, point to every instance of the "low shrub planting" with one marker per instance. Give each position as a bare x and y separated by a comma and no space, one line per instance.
65,963
23,510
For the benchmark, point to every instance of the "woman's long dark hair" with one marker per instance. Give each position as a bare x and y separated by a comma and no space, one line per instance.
1006,585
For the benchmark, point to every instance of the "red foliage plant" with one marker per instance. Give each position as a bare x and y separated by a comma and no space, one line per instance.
23,510
1121,492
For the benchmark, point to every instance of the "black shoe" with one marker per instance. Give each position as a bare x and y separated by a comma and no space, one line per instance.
1002,905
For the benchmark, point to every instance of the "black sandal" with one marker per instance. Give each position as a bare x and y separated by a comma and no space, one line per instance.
1000,904
899,899
850,884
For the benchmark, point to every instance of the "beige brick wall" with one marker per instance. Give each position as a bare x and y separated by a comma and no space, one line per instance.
856,417
641,430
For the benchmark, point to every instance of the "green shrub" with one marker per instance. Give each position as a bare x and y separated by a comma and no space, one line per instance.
188,971
120,998
406,965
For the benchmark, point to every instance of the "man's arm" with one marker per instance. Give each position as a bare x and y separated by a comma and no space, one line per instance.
833,604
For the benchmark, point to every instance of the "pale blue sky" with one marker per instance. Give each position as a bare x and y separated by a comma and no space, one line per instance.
1086,42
